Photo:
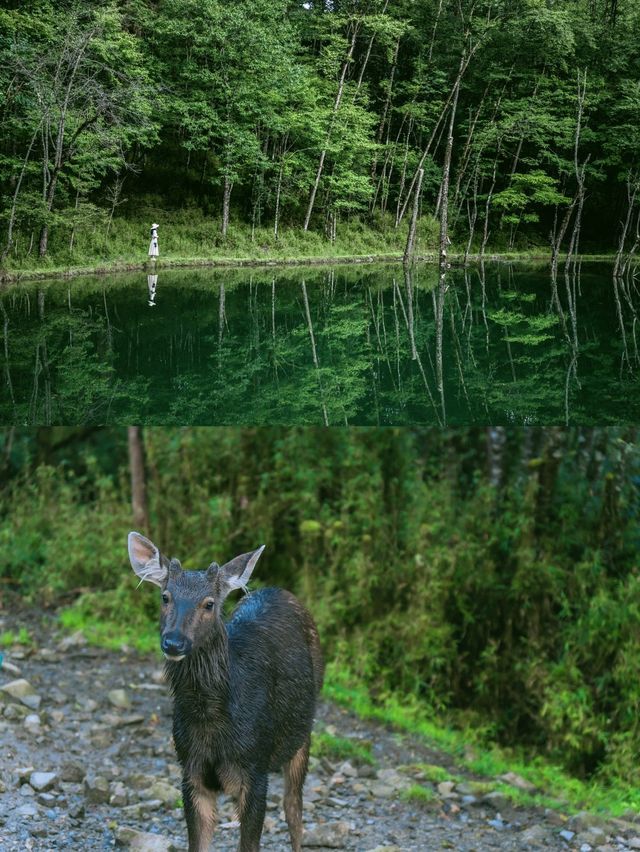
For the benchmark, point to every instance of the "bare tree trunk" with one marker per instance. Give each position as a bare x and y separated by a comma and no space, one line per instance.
16,193
632,189
139,504
446,169
278,191
226,200
411,236
336,107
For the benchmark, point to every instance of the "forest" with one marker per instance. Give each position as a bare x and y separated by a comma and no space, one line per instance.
266,126
488,576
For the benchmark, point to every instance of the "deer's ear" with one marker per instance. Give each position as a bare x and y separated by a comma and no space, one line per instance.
237,572
146,560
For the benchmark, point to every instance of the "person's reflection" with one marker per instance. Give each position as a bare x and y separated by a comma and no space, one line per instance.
152,286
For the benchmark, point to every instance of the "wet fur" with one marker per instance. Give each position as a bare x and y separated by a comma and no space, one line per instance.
244,706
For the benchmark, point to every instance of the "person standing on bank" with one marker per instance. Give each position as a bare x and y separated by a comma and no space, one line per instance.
153,245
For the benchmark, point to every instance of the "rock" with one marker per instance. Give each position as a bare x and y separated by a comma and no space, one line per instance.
23,773
21,690
46,799
331,835
27,810
585,820
585,847
634,843
518,781
96,789
32,723
592,837
535,834
10,668
119,795
27,790
366,771
42,781
567,835
348,770
119,699
15,712
115,721
72,772
143,841
386,849
165,792
445,788
75,640
496,799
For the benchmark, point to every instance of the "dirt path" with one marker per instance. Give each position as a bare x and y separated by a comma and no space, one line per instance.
96,733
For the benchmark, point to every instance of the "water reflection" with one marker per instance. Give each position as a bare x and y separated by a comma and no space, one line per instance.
152,287
487,344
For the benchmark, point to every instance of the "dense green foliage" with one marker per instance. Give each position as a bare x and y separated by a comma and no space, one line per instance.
274,113
490,575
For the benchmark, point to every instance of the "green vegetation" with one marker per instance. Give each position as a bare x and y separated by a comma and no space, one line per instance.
326,744
481,584
418,795
240,125
8,638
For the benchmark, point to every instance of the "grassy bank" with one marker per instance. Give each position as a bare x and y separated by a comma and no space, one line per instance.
187,238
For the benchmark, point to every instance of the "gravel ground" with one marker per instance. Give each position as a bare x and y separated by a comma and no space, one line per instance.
87,763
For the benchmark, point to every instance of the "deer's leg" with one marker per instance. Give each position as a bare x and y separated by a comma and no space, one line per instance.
200,813
294,774
252,806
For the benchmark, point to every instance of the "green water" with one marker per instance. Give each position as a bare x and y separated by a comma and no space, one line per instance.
361,345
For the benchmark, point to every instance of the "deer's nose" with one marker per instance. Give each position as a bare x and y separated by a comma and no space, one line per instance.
174,645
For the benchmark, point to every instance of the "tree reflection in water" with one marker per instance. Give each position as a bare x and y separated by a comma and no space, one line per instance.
493,343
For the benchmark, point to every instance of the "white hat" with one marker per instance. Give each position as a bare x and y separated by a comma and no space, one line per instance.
155,225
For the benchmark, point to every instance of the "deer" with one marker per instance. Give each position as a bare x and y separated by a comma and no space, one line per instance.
244,689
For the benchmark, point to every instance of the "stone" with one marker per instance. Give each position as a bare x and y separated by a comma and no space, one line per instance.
165,792
27,810
119,699
96,789
592,837
386,849
518,781
15,712
119,795
567,835
585,847
585,820
32,723
535,834
23,773
33,702
348,770
21,690
72,772
75,640
496,799
445,788
634,843
42,781
331,835
143,841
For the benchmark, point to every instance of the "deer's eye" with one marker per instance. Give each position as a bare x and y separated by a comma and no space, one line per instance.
165,597
209,605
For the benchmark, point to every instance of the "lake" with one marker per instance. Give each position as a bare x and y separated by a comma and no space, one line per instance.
341,346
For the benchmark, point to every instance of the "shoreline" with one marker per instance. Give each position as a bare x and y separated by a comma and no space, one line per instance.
17,276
